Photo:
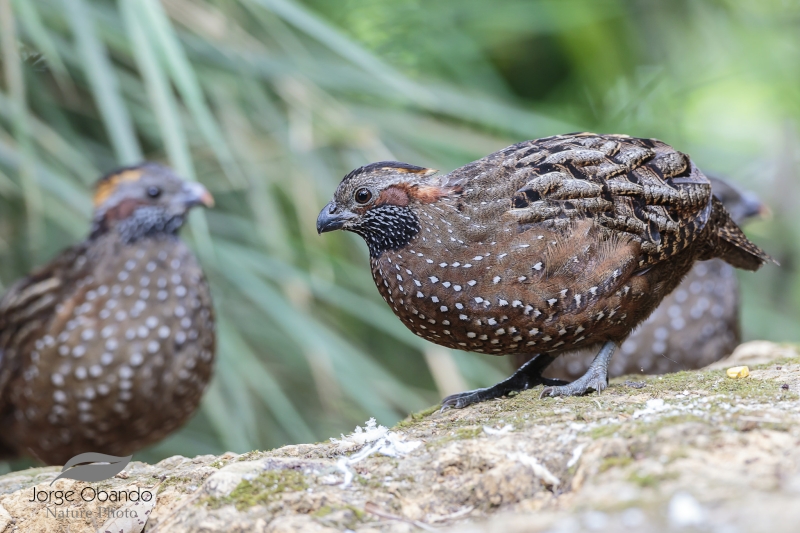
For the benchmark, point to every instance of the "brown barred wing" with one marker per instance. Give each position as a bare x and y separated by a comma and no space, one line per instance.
640,187
30,305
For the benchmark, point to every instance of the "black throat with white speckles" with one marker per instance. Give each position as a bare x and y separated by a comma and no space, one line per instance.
145,221
387,227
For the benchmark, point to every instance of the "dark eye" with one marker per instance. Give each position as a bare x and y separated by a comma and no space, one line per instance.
153,192
363,196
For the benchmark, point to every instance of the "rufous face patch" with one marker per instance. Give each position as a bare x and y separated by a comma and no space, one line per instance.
393,196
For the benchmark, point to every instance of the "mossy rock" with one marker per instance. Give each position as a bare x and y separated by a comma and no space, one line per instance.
726,446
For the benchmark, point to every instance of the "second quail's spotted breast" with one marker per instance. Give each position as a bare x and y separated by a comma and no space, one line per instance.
543,247
109,348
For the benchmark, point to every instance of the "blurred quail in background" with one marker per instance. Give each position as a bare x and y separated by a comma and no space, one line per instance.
108,348
544,247
695,325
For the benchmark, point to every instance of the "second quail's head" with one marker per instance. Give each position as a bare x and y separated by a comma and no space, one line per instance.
741,204
144,200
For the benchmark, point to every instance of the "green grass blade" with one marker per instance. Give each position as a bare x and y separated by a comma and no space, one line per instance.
382,390
21,123
51,183
474,367
264,385
165,106
218,407
166,113
104,85
320,30
33,25
161,32
51,141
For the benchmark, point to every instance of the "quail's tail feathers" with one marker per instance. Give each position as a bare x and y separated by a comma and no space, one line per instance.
731,245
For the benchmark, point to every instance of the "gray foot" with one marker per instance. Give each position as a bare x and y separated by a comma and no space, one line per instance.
595,378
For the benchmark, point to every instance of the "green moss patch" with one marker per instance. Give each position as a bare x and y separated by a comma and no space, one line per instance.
413,418
263,489
179,482
650,480
613,462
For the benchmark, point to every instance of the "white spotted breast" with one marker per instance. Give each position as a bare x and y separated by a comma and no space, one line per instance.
125,354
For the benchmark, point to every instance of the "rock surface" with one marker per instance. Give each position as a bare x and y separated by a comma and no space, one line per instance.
694,451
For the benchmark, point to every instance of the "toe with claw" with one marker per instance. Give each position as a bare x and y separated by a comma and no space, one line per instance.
528,376
595,378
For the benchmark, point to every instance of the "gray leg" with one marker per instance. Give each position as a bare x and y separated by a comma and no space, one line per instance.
526,377
596,378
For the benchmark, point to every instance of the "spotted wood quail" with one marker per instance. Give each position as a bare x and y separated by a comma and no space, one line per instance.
544,247
695,325
108,348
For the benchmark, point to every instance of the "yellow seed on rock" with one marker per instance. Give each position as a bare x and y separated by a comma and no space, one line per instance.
738,372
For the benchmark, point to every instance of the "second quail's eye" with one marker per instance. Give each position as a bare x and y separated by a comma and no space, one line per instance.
363,195
153,192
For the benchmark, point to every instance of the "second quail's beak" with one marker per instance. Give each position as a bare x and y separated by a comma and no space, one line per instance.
754,207
330,218
193,193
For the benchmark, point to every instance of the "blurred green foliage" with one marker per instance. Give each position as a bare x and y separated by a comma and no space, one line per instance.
270,102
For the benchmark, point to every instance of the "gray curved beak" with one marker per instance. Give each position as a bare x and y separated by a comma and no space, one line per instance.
329,219
193,193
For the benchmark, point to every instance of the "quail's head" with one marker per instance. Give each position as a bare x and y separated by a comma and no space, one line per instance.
145,199
740,204
376,201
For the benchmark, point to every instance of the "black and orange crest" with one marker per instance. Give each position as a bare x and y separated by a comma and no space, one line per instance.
410,169
108,184
390,166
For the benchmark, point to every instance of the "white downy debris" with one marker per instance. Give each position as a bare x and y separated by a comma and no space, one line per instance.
130,518
685,511
508,428
5,518
539,470
369,433
576,455
380,440
651,407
